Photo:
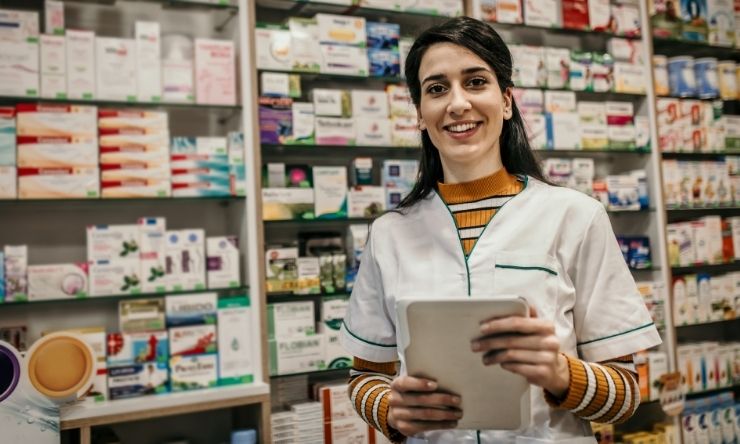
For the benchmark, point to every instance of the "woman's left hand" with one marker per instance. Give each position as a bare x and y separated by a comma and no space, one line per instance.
527,347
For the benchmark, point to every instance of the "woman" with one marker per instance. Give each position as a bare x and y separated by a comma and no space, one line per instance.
481,220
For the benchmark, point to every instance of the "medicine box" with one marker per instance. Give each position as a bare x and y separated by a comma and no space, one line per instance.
8,182
58,183
80,64
141,315
342,30
332,314
152,231
365,201
287,203
193,372
185,252
273,46
369,104
113,242
304,37
53,67
335,131
16,272
18,25
70,123
115,277
193,340
148,61
222,262
344,60
137,348
296,355
215,72
330,192
191,309
235,357
138,380
57,281
290,320
115,68
19,68
7,136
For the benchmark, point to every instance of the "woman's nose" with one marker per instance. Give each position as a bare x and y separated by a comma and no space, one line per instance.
459,102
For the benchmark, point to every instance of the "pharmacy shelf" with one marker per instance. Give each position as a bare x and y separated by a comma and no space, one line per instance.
674,47
279,152
120,297
319,76
122,201
721,323
173,4
707,268
155,406
338,372
307,8
4,100
557,30
594,95
277,298
693,155
685,214
592,152
313,222
732,388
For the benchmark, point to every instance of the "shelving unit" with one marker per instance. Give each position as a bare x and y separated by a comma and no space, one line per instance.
54,229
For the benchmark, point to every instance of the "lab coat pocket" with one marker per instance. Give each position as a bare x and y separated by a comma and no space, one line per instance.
531,276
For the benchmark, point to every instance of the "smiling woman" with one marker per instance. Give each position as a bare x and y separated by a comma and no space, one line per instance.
482,221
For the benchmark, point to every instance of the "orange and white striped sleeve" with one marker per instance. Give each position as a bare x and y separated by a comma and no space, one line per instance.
369,387
606,392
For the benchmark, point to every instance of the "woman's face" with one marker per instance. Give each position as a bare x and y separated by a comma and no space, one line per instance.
462,109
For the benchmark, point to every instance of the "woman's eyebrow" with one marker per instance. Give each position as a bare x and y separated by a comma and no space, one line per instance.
471,70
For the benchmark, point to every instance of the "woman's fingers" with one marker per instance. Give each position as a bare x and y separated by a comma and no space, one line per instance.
531,357
425,414
412,384
516,324
523,342
410,399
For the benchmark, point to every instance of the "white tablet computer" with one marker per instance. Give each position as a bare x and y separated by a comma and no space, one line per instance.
434,336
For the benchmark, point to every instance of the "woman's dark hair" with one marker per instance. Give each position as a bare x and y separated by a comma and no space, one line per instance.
482,40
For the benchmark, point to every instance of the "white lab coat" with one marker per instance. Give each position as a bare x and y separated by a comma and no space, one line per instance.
553,246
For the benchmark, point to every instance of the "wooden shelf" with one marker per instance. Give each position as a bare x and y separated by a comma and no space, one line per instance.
155,406
116,103
555,30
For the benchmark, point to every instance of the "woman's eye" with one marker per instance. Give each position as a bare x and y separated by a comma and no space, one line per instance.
436,89
477,82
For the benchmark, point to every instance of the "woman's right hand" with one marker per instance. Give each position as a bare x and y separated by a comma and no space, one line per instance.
416,406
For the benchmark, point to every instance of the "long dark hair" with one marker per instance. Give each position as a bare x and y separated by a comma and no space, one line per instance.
482,40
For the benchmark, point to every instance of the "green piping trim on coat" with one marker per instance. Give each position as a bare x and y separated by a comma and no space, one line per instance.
520,267
617,334
365,340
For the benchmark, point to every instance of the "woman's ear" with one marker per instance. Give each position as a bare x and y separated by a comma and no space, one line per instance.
422,125
508,103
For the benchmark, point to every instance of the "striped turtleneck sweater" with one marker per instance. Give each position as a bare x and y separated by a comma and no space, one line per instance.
605,392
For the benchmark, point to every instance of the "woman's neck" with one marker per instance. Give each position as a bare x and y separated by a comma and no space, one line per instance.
460,173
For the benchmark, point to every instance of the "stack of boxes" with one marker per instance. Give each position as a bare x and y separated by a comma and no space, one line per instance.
342,44
95,337
701,298
383,52
333,111
200,167
292,340
561,120
237,164
332,315
708,240
134,153
191,322
341,422
152,249
57,151
113,255
398,178
688,125
8,170
711,419
307,423
138,354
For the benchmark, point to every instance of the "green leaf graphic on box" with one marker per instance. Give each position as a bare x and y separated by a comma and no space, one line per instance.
334,324
209,319
340,363
155,273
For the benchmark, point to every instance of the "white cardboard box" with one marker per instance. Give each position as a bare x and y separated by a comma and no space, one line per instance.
193,340
116,69
19,68
341,29
57,281
185,249
235,362
117,277
53,66
215,72
54,17
193,372
296,355
113,242
148,61
80,64
18,25
223,262
8,182
369,104
273,48
290,320
39,183
330,191
365,201
373,131
152,232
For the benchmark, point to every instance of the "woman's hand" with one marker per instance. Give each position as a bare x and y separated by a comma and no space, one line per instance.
416,406
527,347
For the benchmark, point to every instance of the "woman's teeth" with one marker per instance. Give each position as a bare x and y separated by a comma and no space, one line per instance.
462,127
